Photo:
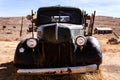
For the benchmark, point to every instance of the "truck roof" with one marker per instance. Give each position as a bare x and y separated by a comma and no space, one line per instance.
58,7
46,15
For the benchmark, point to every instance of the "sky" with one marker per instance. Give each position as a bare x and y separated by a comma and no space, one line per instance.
11,8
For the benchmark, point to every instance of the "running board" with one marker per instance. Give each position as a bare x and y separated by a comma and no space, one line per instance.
64,70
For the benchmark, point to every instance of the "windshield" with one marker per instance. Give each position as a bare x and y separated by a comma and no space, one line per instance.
62,16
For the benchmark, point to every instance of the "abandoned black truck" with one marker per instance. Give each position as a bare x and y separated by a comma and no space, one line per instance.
63,45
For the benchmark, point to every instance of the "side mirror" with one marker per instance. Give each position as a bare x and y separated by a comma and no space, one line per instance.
88,17
86,24
32,16
29,17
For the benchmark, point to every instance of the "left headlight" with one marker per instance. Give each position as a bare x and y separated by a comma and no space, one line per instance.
80,40
31,43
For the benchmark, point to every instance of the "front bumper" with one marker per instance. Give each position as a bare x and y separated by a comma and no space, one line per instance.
64,70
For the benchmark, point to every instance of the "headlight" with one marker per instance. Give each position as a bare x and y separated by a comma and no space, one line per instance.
31,43
80,40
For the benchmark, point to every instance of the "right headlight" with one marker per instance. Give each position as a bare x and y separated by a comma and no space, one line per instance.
80,40
31,43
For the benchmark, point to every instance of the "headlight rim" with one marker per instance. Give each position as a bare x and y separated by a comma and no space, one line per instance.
28,43
85,40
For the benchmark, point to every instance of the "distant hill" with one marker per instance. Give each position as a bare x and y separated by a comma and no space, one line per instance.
100,21
12,21
104,21
107,21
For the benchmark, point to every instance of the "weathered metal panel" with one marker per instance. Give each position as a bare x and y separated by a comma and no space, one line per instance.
64,70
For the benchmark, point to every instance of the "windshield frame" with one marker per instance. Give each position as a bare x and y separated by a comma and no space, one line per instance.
76,16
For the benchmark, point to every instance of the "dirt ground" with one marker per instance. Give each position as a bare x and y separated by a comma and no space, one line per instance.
9,38
110,68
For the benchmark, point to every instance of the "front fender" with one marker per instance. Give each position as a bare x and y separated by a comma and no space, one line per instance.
93,46
28,56
90,53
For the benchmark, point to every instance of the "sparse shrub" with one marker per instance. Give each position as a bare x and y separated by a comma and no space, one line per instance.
14,26
8,32
16,39
4,27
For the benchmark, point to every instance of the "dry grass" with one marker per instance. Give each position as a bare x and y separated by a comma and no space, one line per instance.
7,51
9,38
110,68
87,76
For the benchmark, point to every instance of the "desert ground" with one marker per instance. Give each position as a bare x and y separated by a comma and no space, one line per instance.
10,37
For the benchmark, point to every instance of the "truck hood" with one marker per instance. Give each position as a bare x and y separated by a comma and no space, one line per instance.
57,32
70,26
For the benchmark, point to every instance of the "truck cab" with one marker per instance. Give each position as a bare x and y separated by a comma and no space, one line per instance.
61,46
